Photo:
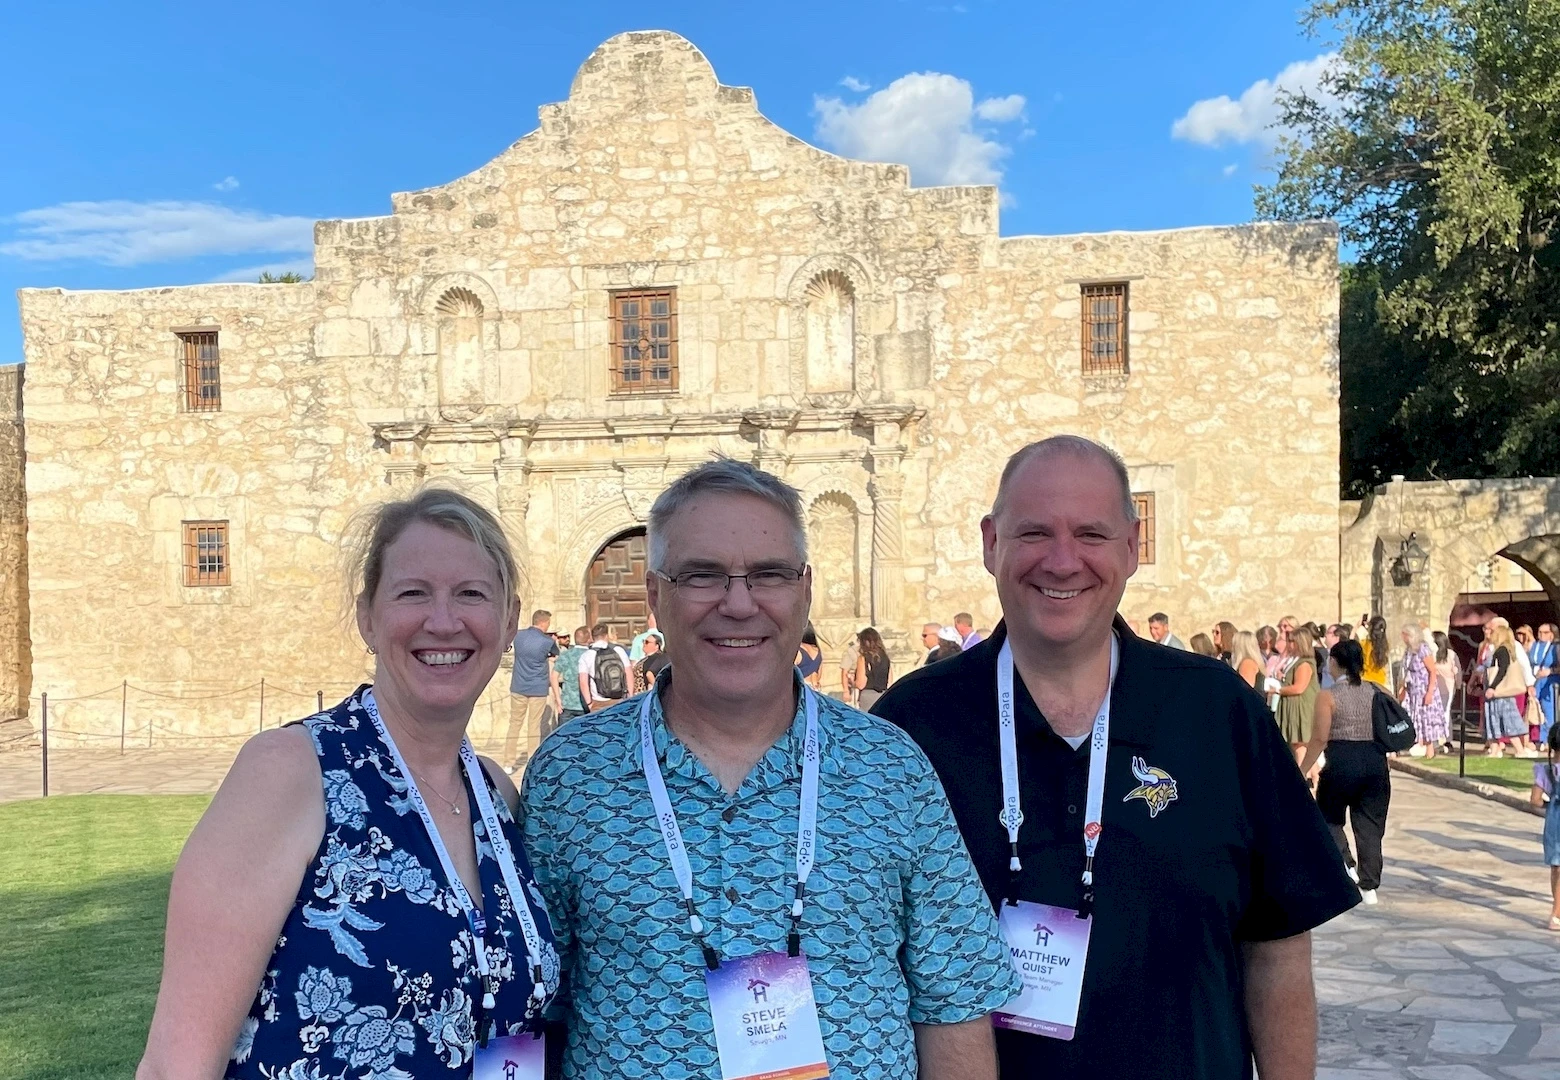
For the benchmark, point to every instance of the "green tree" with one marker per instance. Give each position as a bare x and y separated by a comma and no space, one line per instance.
1435,145
290,277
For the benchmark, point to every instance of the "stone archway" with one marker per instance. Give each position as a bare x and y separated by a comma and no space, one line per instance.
1461,524
615,586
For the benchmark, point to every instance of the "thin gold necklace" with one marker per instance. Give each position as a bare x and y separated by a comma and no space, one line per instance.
454,809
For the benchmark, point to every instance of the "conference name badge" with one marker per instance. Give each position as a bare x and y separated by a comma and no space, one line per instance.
511,1057
766,1022
1049,946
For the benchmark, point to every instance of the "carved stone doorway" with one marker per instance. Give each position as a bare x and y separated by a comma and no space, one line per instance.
615,586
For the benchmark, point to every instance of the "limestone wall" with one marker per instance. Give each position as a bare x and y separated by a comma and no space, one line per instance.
114,466
881,347
14,656
1461,525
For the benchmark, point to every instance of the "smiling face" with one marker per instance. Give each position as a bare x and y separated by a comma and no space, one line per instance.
738,646
1061,550
438,623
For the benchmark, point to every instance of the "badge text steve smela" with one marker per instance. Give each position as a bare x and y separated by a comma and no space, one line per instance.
764,1022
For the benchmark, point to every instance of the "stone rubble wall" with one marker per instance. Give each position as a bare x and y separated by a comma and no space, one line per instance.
15,660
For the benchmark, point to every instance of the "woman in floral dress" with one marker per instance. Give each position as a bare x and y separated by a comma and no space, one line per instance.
354,904
1421,692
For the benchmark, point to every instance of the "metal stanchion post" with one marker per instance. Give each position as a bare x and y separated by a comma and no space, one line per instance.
124,697
262,704
45,712
1462,732
319,701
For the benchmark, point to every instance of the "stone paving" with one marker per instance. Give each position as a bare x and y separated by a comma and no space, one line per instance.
1451,977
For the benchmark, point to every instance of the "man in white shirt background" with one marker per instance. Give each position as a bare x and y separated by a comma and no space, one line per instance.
608,689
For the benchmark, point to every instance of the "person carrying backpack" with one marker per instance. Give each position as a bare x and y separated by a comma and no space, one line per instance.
1355,781
604,671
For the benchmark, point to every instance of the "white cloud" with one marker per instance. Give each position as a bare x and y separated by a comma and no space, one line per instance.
276,269
924,120
1001,109
227,183
855,85
1229,170
122,233
1251,119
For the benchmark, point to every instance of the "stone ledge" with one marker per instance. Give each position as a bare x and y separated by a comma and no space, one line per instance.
1458,783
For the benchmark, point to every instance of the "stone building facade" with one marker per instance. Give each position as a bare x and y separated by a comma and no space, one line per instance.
657,274
15,660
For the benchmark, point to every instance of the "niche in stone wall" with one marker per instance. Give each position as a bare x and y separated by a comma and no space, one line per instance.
833,542
459,313
831,333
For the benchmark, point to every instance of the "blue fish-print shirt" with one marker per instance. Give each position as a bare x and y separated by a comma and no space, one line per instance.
374,976
897,929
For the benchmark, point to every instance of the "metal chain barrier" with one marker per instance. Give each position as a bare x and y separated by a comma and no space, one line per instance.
152,731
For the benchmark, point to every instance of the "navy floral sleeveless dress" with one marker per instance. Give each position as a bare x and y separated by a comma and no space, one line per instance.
374,976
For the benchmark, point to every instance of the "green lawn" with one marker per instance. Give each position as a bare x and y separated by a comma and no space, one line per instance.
83,888
1513,773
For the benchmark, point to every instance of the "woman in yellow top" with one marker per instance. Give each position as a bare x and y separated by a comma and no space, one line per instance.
1378,656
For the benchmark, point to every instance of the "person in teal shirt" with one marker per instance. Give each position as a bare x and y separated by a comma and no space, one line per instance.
567,665
636,648
901,946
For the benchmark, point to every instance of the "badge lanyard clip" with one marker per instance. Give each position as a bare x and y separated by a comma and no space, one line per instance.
1012,815
507,868
677,852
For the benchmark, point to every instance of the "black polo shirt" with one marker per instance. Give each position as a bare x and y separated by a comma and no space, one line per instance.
1241,854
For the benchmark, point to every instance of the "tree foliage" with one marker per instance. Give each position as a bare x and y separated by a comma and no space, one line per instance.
290,277
1435,145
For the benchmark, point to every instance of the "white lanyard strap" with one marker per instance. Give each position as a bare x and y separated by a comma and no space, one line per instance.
677,852
501,852
1012,815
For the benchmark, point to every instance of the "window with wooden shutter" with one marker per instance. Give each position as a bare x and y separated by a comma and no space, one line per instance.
1144,502
202,371
1105,329
207,560
644,341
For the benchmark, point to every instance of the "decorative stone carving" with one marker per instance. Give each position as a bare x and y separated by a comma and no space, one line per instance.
833,548
831,334
888,545
641,484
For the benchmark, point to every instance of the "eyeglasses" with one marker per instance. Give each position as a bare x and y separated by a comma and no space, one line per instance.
708,584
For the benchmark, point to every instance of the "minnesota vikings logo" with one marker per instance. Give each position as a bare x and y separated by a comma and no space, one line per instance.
1155,787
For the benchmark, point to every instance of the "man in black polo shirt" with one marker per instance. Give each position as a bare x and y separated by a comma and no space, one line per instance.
1186,887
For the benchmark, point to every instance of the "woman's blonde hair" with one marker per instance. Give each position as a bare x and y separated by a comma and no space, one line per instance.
1245,648
1500,634
374,529
1304,644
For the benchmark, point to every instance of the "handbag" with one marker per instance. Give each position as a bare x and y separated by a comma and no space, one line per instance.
1533,716
1390,724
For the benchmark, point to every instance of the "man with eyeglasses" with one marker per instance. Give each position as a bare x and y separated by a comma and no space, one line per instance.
744,876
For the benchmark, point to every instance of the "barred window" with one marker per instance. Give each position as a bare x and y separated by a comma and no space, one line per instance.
207,560
644,341
1105,329
1144,502
202,371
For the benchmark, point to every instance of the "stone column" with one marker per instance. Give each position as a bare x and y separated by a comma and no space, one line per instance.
514,498
888,545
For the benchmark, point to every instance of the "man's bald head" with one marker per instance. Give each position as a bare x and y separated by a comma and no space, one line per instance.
1074,447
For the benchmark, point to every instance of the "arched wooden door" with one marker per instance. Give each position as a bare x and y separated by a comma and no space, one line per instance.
615,586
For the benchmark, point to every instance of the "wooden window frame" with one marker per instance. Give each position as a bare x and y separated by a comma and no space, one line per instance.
201,375
643,385
1092,363
1144,502
198,574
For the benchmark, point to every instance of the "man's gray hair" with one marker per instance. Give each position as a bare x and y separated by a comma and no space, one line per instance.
1074,446
725,476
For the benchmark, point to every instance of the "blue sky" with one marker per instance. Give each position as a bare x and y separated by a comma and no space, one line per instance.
171,143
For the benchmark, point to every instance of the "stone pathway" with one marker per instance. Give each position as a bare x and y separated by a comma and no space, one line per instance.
137,772
1450,977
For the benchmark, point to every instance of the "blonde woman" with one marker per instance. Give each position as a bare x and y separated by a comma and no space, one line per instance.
1503,722
1297,695
1246,659
1421,690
